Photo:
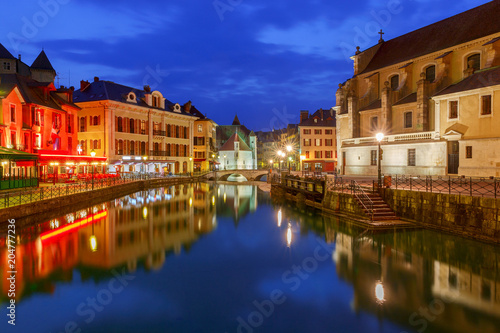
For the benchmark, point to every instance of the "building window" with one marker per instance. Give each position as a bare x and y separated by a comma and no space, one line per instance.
373,124
143,127
307,142
373,157
317,154
82,124
38,141
318,142
200,128
13,139
394,82
474,61
329,142
411,157
317,131
307,131
453,110
307,154
70,144
485,105
408,119
13,113
430,73
328,132
120,124
39,117
6,66
328,154
468,151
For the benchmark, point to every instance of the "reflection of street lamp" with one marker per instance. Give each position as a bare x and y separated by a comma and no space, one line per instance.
93,243
92,153
380,137
289,235
279,218
379,292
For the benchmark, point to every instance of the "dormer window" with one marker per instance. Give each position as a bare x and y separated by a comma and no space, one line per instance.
177,108
430,73
132,98
394,82
474,61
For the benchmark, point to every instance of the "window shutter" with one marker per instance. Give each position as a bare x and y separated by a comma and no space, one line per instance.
116,124
116,147
85,124
99,147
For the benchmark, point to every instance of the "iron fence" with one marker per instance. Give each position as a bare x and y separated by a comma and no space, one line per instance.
30,195
470,186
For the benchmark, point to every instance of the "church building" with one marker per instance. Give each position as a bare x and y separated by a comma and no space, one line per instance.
434,93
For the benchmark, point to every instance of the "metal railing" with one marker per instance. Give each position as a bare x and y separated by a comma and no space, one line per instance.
471,186
363,198
30,195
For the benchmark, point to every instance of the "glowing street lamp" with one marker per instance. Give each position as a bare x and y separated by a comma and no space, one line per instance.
380,137
92,153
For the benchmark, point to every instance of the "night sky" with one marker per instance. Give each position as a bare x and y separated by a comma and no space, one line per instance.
264,60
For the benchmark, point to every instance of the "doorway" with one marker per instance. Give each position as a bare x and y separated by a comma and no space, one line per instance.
453,157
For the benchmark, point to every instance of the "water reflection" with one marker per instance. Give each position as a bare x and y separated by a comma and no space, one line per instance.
420,279
139,229
237,201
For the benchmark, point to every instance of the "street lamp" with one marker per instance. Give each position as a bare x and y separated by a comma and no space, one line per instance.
224,162
289,150
380,137
190,164
271,164
92,153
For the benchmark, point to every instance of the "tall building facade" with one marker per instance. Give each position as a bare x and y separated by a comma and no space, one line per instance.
204,137
433,93
317,141
138,130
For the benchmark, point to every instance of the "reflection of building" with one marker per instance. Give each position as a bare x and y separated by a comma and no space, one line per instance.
139,130
236,201
396,275
139,229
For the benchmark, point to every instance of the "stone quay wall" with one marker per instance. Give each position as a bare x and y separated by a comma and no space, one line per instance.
474,217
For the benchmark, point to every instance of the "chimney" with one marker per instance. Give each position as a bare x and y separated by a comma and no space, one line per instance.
19,56
96,79
84,85
321,112
304,114
147,89
187,107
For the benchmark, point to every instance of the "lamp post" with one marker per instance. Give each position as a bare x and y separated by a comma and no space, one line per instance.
271,164
92,153
213,162
289,150
380,137
191,165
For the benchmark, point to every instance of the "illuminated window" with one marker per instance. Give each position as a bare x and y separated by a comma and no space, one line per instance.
411,157
13,113
474,61
373,157
200,128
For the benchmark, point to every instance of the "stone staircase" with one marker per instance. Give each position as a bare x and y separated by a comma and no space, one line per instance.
381,210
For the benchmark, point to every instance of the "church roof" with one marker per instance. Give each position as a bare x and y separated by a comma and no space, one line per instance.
4,53
236,121
42,62
480,79
229,145
467,26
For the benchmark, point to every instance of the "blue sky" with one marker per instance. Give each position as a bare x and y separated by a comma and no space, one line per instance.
264,60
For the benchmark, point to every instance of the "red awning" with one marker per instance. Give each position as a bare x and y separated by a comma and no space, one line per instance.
200,159
51,158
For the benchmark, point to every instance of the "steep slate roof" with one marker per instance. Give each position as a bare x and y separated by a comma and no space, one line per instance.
107,90
469,25
42,62
328,119
229,145
32,91
4,53
480,79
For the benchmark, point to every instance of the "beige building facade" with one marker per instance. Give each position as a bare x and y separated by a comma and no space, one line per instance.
403,88
138,130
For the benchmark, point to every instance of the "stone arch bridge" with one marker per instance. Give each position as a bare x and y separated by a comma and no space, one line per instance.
222,175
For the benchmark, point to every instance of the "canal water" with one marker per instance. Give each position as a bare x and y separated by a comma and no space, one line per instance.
227,258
